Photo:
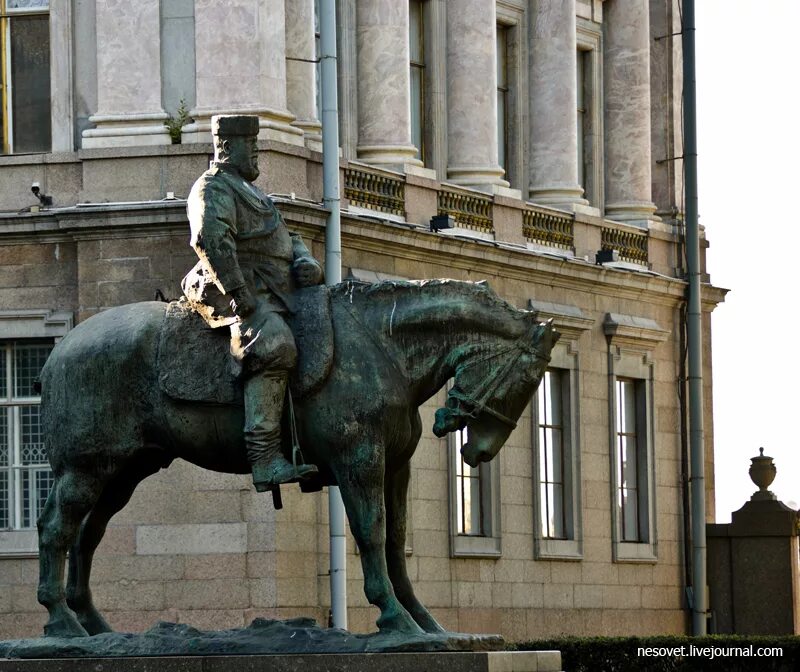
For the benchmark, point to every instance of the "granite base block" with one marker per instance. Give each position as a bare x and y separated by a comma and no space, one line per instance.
485,661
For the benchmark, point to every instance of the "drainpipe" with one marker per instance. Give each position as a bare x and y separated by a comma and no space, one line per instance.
333,276
694,328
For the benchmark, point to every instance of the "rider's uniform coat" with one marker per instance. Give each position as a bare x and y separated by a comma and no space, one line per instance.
241,240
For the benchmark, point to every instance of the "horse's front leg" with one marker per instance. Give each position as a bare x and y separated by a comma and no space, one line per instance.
360,479
396,489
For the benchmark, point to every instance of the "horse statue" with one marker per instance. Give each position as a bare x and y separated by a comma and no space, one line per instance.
109,423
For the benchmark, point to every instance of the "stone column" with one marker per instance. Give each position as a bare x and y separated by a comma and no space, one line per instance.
554,105
301,74
241,67
384,111
627,105
472,95
129,108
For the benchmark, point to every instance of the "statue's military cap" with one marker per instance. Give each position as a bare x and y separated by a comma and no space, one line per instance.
223,125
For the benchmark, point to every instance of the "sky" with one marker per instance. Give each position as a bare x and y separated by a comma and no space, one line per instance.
748,120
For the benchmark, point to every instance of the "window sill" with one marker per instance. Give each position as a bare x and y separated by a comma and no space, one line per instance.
630,552
463,546
19,544
558,549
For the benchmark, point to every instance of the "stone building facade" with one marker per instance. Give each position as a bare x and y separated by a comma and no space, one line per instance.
548,129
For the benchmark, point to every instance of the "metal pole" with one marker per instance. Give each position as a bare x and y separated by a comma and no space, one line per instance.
694,327
333,275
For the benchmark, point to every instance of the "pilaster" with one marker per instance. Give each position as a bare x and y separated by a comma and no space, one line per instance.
301,75
627,118
554,105
384,113
128,77
241,68
472,95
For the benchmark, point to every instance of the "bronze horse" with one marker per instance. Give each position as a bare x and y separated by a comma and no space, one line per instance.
108,425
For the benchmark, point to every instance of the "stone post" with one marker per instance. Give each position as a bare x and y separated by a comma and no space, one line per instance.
301,73
384,113
627,117
755,586
472,95
129,108
241,67
554,105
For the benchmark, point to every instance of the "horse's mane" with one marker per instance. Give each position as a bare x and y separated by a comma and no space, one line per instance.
441,289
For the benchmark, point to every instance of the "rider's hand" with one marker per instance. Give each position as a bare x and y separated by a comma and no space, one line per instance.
243,303
308,273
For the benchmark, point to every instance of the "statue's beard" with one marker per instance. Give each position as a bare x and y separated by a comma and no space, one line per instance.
249,171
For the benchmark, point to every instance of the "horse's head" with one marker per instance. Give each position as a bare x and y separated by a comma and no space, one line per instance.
491,390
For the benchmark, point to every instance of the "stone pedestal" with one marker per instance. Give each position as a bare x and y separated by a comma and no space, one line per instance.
246,75
554,105
472,95
384,113
627,111
129,107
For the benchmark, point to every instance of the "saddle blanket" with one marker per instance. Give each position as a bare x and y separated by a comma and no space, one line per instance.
195,363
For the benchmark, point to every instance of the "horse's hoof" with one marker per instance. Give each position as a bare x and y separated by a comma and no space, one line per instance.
94,623
65,626
399,622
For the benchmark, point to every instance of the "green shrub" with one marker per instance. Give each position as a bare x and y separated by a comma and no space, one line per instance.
621,654
175,122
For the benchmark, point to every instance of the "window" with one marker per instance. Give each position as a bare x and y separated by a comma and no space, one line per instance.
590,113
25,76
416,40
25,477
502,96
475,503
550,412
631,499
631,340
581,96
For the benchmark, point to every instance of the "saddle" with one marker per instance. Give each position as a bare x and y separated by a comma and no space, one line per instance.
195,363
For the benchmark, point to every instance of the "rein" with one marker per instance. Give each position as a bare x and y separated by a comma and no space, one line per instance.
479,400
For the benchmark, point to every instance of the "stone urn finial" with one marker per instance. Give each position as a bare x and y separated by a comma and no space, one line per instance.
762,473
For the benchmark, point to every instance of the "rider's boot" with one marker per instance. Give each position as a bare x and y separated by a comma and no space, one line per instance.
263,407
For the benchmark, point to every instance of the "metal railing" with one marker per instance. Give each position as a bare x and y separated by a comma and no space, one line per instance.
548,228
375,191
470,211
631,245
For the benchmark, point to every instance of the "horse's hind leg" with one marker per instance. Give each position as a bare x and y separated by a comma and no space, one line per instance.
116,494
72,497
396,489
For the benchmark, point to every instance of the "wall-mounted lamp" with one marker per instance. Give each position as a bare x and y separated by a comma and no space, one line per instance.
439,222
606,256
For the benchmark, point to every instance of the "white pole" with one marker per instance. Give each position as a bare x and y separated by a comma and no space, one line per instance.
333,275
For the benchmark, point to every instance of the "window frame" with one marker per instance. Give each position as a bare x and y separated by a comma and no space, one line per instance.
470,545
23,325
418,67
571,323
631,341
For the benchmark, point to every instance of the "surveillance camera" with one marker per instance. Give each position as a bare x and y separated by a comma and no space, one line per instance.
35,188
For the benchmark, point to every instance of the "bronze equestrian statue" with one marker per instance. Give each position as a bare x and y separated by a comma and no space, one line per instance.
134,387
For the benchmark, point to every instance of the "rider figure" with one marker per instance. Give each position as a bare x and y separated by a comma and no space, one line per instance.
250,265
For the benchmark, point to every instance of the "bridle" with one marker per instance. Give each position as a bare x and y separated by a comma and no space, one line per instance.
478,401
